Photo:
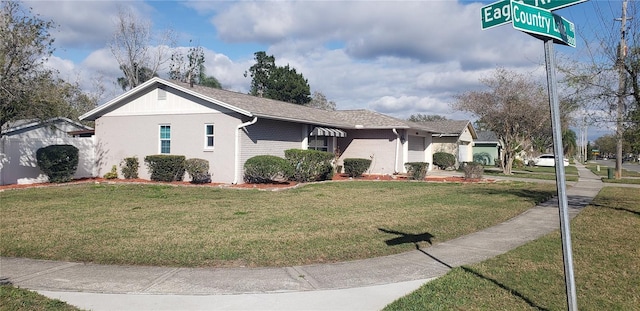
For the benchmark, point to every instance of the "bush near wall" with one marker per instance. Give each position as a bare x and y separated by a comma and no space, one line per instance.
355,167
264,169
444,160
310,165
198,169
58,162
164,167
417,170
473,170
129,167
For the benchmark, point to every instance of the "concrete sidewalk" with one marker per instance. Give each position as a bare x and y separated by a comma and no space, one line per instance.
368,284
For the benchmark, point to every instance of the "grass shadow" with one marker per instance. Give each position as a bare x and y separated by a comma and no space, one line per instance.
502,286
532,195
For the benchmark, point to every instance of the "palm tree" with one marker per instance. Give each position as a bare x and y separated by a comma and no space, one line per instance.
569,145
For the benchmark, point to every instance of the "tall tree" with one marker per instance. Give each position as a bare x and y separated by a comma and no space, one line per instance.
143,73
191,70
209,81
569,143
514,108
187,70
419,117
319,100
276,82
607,84
24,48
260,73
139,56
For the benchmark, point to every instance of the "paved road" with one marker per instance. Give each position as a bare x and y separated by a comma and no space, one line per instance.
630,166
368,284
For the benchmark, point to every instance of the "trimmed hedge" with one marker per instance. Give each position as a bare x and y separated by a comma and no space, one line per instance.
310,165
129,167
473,170
417,170
58,162
164,167
264,169
198,169
444,160
355,167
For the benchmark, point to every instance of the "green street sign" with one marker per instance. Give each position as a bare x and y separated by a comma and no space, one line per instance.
499,13
496,14
540,22
552,4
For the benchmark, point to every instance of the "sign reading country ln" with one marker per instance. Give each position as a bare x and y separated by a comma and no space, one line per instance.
537,21
499,13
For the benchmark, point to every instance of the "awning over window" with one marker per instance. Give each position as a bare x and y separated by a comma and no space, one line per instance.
325,131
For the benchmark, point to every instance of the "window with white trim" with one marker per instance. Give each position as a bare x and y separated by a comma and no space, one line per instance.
318,143
165,139
209,131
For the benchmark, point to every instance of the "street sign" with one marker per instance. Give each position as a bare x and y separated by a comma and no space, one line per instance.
541,22
496,14
499,13
552,4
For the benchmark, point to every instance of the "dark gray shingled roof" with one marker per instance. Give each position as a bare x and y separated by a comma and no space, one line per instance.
274,109
486,136
448,126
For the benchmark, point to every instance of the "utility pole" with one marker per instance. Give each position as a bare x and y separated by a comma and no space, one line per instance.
622,87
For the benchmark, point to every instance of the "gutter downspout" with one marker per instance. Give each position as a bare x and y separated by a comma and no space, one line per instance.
395,164
236,156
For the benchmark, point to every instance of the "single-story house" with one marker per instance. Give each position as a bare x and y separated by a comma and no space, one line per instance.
21,140
227,128
487,148
455,137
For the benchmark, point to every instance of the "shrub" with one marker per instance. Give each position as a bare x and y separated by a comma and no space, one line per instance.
165,167
129,167
444,160
355,167
198,169
417,170
113,174
517,163
58,162
266,169
473,170
310,165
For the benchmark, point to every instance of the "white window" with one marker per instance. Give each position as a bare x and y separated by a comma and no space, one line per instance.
209,141
318,143
165,139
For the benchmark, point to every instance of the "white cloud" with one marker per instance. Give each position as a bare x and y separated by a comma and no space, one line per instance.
83,24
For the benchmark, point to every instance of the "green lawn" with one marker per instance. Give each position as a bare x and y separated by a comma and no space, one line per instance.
212,227
606,264
18,299
535,172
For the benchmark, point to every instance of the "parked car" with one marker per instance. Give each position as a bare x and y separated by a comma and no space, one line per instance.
548,160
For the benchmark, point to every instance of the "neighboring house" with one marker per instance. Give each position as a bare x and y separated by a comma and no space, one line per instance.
455,137
487,148
21,140
227,128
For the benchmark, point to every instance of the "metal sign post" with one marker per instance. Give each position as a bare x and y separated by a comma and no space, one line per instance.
558,151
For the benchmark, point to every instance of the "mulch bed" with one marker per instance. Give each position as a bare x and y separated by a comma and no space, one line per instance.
267,186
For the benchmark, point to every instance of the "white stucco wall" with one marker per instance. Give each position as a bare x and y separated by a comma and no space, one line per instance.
377,145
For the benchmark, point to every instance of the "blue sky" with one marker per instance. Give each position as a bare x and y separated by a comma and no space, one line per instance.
394,57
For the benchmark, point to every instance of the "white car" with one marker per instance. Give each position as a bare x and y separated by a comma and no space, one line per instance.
548,160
